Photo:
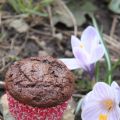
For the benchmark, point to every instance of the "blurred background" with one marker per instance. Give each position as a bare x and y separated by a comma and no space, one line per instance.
44,27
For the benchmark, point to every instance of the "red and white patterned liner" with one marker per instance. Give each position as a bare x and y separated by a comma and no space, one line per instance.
25,112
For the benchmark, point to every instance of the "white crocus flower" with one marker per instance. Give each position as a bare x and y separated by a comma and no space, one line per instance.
87,51
102,103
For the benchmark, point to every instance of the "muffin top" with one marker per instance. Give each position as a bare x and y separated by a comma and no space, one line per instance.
39,81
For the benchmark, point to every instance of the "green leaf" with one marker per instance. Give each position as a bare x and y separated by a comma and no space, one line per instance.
107,55
27,7
36,12
76,7
80,9
14,4
46,2
114,6
79,106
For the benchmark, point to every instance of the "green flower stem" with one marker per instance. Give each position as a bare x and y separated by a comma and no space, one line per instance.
79,106
97,71
107,56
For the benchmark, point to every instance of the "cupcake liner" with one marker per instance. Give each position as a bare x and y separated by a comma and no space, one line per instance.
25,112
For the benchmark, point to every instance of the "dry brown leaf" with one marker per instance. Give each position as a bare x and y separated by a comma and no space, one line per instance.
61,13
19,25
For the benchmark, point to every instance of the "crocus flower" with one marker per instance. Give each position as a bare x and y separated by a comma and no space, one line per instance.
87,51
117,88
101,103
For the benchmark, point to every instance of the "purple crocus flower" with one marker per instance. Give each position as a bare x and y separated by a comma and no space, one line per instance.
102,103
87,51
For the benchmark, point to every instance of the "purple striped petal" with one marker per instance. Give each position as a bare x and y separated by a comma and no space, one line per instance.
115,114
115,86
71,63
91,69
93,108
102,91
75,42
92,111
97,54
82,57
90,38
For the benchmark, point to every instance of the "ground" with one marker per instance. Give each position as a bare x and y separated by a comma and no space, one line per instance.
36,38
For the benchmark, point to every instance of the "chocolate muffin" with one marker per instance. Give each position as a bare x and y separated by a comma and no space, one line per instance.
40,82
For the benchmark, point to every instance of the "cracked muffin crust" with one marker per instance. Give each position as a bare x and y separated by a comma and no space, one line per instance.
40,81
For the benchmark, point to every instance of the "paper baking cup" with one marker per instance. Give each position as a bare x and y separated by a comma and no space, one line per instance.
25,112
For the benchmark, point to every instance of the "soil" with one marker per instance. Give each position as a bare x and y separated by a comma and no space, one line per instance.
38,40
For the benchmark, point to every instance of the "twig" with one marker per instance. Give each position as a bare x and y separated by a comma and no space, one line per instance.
3,61
6,47
0,18
51,20
114,23
3,68
15,16
40,32
112,41
7,65
12,43
23,45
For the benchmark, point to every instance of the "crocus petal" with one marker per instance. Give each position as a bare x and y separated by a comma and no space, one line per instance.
102,91
115,86
75,42
92,111
89,38
91,69
81,56
89,98
71,63
97,54
92,108
115,114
